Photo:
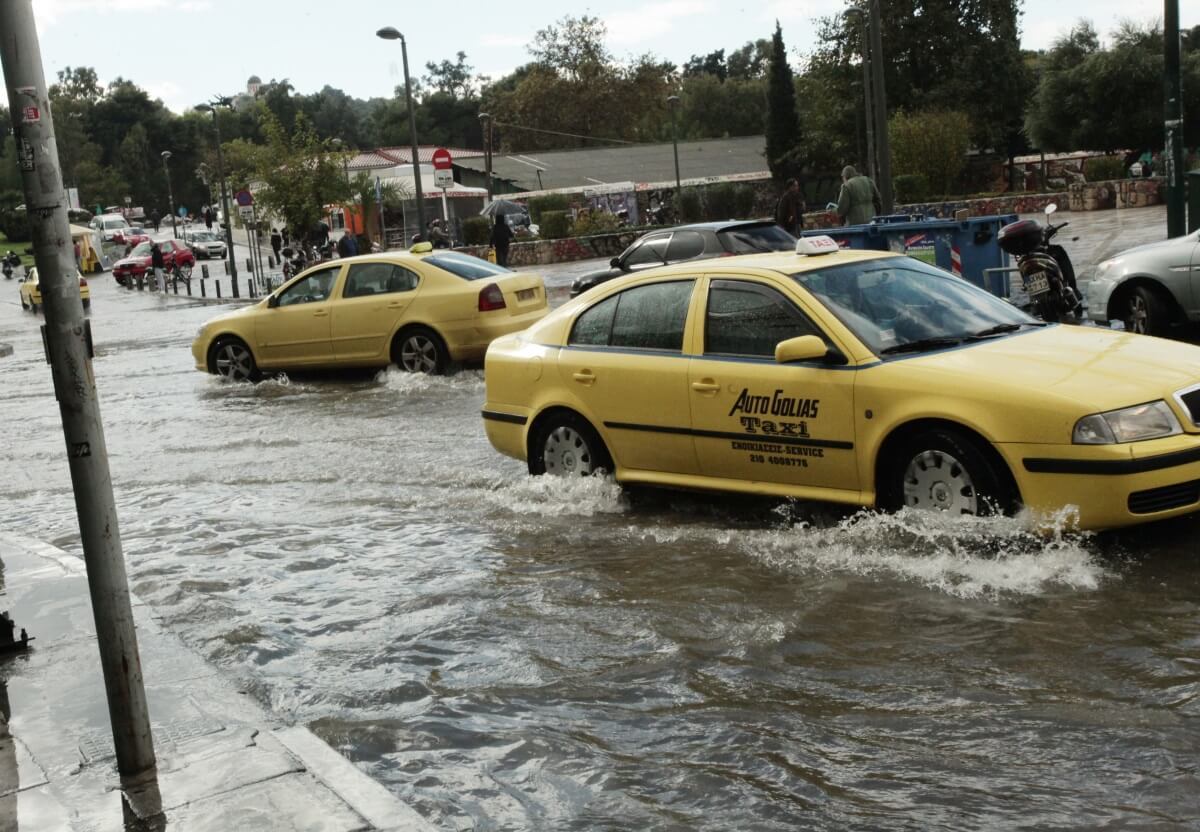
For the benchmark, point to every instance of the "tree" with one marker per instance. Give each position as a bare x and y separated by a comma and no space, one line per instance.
783,126
932,144
711,64
573,47
299,173
750,60
453,79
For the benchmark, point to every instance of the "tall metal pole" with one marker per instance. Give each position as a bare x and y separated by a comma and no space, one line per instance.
868,108
228,220
412,135
879,93
486,118
166,154
68,339
1173,122
673,103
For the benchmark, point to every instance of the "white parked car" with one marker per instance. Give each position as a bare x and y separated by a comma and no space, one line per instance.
109,225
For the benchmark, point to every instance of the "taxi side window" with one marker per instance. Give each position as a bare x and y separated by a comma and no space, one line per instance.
749,319
311,289
367,279
646,317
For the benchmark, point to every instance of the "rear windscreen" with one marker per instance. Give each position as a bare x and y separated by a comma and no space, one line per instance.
466,266
756,238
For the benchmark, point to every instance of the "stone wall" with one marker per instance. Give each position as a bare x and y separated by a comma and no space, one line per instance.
1120,193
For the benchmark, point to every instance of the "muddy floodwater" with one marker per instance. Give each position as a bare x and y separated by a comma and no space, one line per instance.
510,653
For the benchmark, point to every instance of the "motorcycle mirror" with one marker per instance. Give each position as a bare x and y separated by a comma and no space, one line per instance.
1051,208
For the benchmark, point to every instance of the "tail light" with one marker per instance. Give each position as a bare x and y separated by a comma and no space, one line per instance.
490,297
82,281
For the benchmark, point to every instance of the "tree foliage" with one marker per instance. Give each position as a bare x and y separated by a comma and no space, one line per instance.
298,173
931,144
783,126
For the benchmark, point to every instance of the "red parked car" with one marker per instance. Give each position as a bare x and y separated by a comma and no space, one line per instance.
131,236
137,263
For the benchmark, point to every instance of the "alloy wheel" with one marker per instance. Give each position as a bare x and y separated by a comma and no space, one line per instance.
935,480
234,362
419,354
1138,314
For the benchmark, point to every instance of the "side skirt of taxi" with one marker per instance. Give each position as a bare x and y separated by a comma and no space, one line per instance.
768,489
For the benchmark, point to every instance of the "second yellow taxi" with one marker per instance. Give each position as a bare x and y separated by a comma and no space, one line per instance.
858,377
421,309
31,290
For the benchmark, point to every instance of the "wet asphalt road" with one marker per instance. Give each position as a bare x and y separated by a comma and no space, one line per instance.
515,653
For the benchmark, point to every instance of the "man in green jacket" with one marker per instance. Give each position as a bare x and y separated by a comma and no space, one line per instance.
859,199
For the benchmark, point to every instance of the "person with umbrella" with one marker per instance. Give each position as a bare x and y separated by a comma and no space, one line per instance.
501,237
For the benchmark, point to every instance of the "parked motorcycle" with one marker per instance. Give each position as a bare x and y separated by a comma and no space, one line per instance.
1047,275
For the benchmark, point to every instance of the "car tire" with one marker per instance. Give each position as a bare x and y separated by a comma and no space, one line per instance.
1144,312
942,469
87,304
230,358
420,350
565,445
185,271
33,307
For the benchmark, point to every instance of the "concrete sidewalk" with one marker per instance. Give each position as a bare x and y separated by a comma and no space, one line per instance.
223,762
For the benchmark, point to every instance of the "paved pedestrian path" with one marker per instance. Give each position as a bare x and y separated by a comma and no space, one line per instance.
223,762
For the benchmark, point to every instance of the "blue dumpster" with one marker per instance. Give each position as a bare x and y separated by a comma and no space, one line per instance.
966,247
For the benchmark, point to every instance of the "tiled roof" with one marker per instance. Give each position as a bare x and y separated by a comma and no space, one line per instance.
386,157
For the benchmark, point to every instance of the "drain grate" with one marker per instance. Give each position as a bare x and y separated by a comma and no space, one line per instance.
98,745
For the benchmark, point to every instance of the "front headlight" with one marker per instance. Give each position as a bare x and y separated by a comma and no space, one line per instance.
1129,424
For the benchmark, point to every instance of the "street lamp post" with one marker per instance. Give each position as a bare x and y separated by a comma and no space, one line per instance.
391,33
883,152
486,119
858,15
166,154
212,108
673,104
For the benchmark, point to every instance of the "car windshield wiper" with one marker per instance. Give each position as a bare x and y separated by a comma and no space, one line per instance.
999,329
921,345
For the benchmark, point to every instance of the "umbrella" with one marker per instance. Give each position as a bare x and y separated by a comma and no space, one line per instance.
502,206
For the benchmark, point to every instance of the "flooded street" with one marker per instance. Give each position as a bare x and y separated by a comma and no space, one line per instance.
510,653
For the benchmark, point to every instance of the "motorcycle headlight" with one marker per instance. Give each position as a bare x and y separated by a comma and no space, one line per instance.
1129,424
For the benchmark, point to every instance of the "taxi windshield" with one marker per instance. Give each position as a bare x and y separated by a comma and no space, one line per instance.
899,304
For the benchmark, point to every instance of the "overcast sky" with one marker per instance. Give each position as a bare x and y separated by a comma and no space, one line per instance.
185,51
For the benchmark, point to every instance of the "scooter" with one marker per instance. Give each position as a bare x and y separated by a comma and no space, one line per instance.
11,260
1047,275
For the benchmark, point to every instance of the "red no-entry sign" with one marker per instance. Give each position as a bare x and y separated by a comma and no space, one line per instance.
441,159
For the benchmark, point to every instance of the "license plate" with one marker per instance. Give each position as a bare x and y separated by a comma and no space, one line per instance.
527,294
1037,284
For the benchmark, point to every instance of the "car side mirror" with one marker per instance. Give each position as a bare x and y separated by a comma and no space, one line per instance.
272,301
805,348
615,262
1051,208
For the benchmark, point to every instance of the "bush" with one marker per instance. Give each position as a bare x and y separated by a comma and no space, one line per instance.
1104,168
910,187
690,207
594,222
15,225
539,205
555,225
477,231
932,144
719,202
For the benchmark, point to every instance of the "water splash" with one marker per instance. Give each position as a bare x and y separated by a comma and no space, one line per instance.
395,379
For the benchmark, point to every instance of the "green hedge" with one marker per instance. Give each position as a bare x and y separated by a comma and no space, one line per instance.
1104,168
911,187
477,231
15,225
539,205
555,225
691,209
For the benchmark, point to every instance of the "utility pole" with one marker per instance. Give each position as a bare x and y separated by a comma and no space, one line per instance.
673,103
68,345
1173,122
228,220
879,105
166,154
487,152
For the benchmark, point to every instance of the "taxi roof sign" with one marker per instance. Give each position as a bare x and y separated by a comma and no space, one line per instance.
421,247
820,244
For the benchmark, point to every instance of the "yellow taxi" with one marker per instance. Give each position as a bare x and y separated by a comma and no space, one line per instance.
31,292
421,310
857,377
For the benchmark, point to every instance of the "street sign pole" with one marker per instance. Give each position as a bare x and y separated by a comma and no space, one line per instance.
1173,122
67,337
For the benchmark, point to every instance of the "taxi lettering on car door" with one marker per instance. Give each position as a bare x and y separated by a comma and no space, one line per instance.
754,418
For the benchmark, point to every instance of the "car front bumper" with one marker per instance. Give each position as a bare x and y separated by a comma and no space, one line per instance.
1110,485
1097,293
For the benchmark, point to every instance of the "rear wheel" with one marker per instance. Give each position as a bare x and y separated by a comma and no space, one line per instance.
942,469
185,271
420,350
233,360
1144,312
567,446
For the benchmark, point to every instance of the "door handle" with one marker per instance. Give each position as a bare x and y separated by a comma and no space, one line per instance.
397,305
321,313
585,377
706,386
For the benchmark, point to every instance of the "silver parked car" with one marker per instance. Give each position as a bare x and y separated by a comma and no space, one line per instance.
205,244
1149,288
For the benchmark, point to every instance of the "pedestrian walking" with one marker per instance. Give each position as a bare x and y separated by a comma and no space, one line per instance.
208,218
155,219
501,237
156,260
276,242
346,245
789,212
78,256
859,201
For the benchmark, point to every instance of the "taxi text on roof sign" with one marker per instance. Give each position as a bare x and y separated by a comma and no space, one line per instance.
812,246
